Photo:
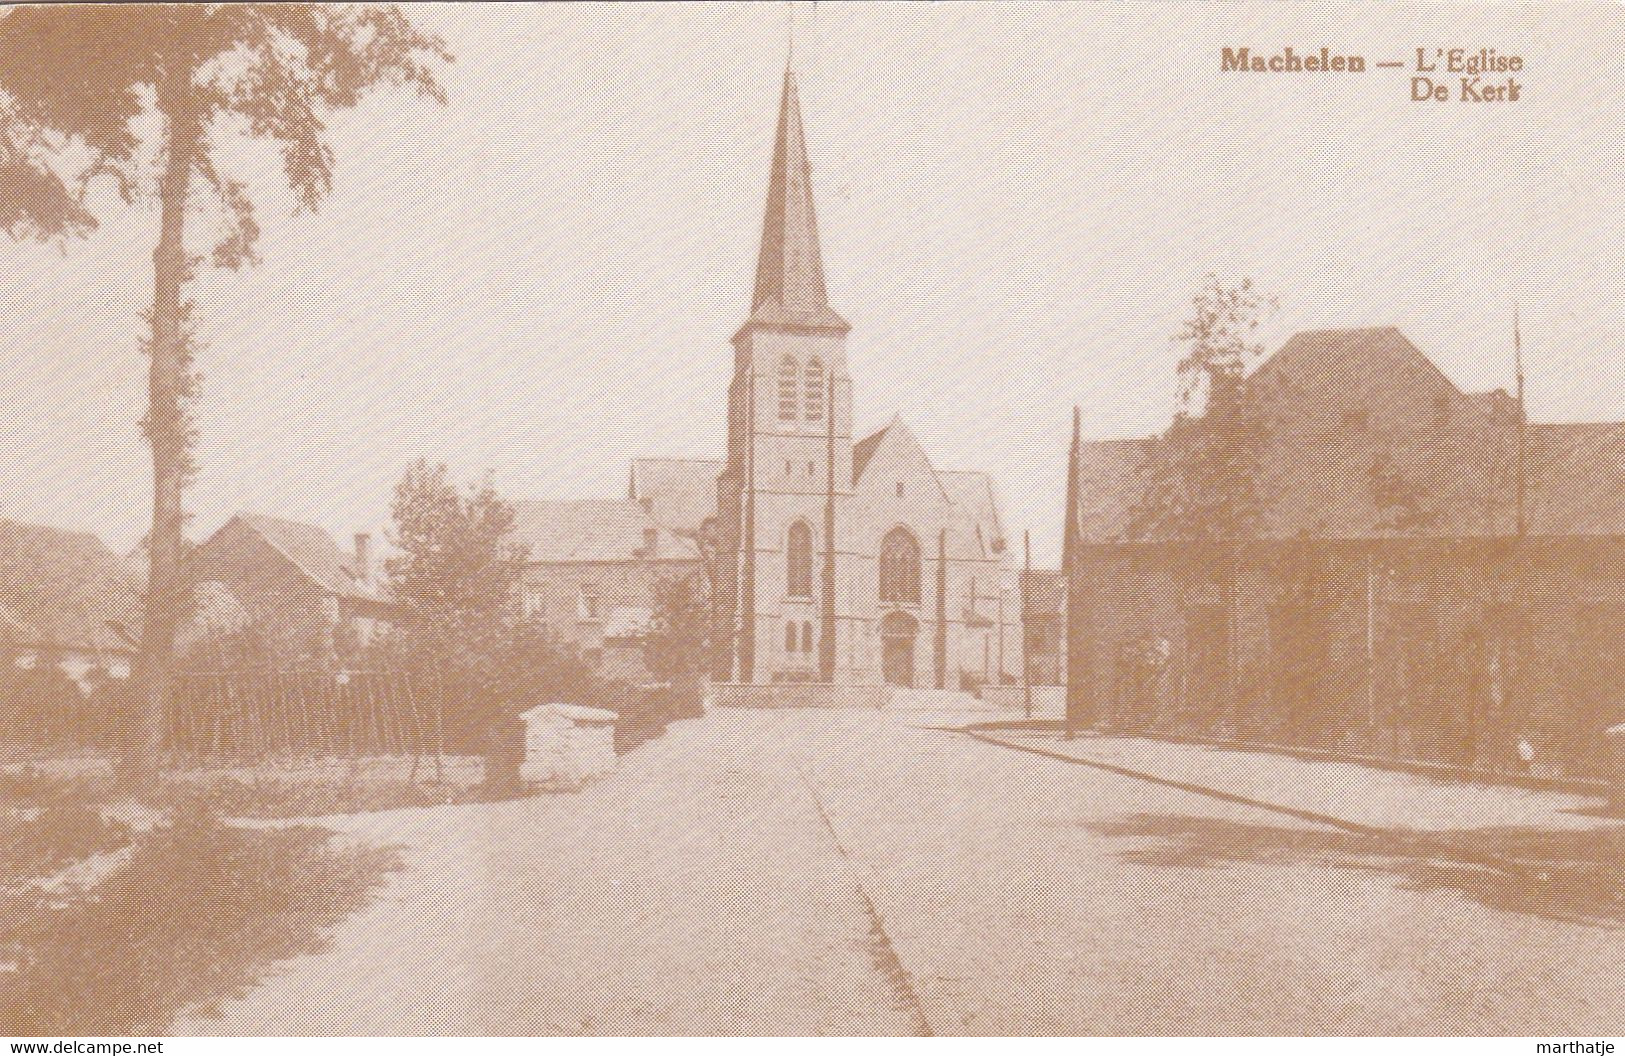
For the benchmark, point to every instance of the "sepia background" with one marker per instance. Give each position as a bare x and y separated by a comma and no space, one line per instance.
1314,731
541,278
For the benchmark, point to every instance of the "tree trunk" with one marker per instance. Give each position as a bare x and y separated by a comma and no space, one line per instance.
167,432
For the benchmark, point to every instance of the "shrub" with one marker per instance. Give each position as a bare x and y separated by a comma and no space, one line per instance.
646,711
194,917
58,836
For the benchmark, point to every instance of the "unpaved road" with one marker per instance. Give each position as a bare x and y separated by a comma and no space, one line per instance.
844,872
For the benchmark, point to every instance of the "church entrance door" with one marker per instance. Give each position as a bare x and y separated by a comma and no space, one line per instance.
897,633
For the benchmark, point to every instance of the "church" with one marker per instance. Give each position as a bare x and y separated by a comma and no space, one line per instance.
831,559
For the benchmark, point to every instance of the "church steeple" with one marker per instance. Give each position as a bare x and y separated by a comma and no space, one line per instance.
790,269
789,437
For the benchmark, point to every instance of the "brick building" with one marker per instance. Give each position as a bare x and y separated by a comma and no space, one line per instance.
1387,599
305,600
593,568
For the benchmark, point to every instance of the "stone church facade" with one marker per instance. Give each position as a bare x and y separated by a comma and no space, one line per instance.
843,560
831,558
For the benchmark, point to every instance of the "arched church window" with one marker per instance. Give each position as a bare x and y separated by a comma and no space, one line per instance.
790,637
812,397
798,561
806,637
787,389
900,568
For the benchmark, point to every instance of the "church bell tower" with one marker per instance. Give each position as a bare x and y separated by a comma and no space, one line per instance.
789,467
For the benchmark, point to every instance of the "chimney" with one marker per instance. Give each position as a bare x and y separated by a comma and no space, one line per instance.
363,557
651,543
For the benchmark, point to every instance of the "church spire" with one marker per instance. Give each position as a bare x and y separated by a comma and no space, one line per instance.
790,269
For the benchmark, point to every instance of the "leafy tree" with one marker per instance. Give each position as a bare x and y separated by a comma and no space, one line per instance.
457,578
708,541
145,95
539,667
1203,483
677,649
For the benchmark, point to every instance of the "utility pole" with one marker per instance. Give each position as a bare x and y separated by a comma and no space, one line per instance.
1026,639
1003,674
1079,614
747,604
1523,425
1371,644
826,639
1510,681
942,609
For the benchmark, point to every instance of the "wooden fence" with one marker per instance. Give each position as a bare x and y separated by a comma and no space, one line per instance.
244,713
264,713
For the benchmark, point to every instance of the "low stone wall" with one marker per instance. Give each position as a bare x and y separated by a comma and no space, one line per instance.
796,695
567,746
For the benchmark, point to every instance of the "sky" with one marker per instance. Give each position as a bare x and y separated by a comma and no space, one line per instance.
540,278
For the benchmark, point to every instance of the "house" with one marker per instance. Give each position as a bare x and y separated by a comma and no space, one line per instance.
1043,617
678,493
68,600
289,584
1425,576
592,573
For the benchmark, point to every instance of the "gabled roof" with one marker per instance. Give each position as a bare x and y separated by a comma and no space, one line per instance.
67,588
790,267
1578,487
972,491
679,493
1347,352
901,441
311,551
1462,467
594,530
1553,442
1324,487
1109,485
864,449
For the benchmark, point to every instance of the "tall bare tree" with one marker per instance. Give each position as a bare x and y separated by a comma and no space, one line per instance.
79,87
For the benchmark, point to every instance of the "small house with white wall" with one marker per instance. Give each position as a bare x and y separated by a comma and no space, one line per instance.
67,599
